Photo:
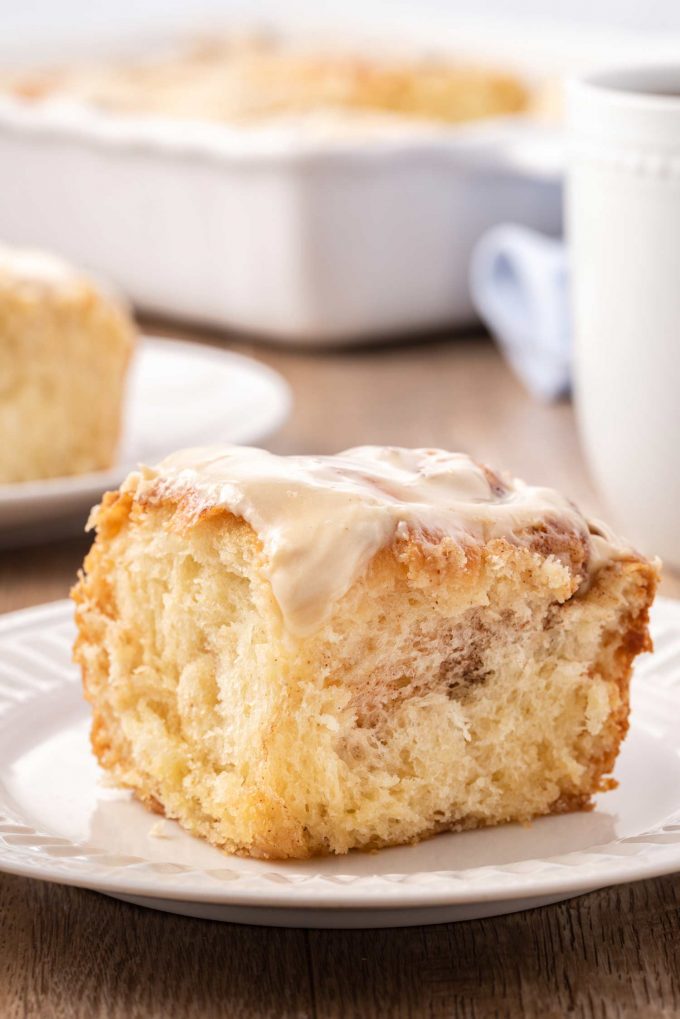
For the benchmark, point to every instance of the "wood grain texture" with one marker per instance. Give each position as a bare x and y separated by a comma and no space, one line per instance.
70,953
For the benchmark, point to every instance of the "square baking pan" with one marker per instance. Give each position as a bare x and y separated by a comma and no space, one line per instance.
300,232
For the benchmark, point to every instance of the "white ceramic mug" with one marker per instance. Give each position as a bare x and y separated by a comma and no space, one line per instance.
623,221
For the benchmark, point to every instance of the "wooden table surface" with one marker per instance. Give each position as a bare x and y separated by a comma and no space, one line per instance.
66,952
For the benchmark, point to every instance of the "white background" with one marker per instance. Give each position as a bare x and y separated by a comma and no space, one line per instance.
51,24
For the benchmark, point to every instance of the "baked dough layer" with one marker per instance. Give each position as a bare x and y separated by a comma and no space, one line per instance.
245,80
64,353
456,683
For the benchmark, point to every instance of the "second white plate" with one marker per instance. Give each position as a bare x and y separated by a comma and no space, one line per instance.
179,394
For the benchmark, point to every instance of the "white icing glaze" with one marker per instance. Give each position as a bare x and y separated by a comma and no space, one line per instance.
321,519
32,266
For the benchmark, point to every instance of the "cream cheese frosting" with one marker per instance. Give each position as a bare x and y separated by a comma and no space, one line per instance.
33,266
321,519
40,273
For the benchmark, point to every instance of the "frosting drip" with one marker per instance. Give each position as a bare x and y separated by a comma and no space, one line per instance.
321,519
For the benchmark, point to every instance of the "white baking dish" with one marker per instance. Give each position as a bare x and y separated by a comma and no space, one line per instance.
293,233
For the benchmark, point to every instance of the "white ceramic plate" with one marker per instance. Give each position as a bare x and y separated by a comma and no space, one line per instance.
58,821
179,394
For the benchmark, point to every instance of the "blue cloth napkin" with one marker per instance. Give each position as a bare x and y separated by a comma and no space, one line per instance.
520,288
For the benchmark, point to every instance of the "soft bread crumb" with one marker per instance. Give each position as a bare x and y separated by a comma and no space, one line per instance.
443,693
64,354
